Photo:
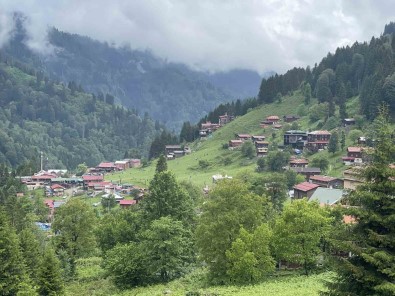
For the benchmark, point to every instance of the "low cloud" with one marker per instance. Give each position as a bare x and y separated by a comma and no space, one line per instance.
211,34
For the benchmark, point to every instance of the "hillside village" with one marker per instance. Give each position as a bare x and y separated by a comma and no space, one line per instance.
106,178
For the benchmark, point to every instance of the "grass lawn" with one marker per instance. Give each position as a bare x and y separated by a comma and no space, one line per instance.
91,281
211,150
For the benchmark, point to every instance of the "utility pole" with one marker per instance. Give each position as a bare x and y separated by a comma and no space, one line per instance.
41,161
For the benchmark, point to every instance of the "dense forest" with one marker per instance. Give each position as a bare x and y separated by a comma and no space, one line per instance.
365,69
67,124
169,92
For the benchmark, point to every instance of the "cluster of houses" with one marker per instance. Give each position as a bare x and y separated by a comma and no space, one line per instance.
313,141
208,127
261,146
176,151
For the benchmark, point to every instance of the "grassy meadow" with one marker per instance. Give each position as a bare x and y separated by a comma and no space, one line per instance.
211,149
91,280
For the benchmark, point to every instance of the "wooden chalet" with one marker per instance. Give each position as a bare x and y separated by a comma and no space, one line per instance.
355,152
318,140
261,152
304,190
348,121
298,163
224,119
261,144
295,138
307,172
235,143
326,181
352,178
258,138
243,137
290,118
106,166
125,203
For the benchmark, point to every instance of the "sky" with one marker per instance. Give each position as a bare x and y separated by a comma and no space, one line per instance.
211,35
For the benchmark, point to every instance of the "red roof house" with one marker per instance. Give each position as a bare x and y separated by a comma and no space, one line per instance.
304,189
127,202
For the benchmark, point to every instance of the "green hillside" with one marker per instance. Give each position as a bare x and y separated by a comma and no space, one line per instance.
212,152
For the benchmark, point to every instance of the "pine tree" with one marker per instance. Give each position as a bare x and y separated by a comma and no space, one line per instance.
371,268
13,275
333,144
343,140
49,277
161,165
166,198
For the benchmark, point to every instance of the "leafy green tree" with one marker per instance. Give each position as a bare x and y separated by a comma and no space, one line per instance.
353,135
82,168
298,232
127,266
320,161
249,258
261,163
161,165
74,225
166,198
371,268
118,227
248,149
276,160
168,248
293,178
333,144
108,202
49,275
230,206
318,112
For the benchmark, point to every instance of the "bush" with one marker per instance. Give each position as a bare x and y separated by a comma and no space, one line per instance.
248,149
204,163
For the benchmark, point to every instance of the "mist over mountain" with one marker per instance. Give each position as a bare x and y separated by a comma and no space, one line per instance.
169,92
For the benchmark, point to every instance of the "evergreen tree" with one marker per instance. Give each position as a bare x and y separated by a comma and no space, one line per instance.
343,140
49,275
161,165
333,145
166,198
371,239
13,275
31,251
307,93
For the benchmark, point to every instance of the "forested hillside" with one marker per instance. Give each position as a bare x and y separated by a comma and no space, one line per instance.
169,92
67,124
365,69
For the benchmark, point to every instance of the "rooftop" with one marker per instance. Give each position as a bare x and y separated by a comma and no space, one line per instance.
299,161
92,177
273,117
320,133
307,170
322,178
327,196
127,202
106,165
305,186
292,132
354,149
